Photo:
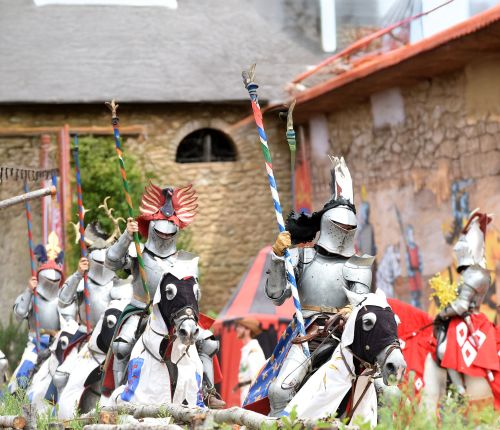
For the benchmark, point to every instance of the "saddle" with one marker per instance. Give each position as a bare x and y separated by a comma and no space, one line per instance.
320,339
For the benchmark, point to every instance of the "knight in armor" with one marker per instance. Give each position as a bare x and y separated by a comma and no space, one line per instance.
163,213
322,272
473,285
103,284
47,283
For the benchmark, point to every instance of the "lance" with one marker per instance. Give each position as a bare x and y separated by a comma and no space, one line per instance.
33,268
292,144
476,343
115,121
251,86
83,247
24,198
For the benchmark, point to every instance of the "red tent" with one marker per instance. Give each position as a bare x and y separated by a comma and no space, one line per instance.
249,300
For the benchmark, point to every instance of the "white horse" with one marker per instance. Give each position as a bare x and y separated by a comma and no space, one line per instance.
82,389
40,391
368,347
164,364
388,270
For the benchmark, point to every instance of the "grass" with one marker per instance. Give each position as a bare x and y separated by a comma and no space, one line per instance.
455,413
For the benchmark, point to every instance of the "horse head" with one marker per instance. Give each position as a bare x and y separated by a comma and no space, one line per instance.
371,333
178,306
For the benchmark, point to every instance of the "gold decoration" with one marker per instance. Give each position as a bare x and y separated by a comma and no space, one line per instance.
443,290
53,248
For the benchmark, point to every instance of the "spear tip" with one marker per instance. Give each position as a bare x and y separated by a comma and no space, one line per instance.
113,107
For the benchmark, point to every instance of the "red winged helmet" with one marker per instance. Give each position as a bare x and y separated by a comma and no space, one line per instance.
172,204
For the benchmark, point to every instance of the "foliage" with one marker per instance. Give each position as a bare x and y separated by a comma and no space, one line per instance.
455,413
13,337
12,404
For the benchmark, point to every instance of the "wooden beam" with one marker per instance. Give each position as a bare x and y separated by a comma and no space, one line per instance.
130,130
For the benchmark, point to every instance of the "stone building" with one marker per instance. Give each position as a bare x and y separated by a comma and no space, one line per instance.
419,128
177,76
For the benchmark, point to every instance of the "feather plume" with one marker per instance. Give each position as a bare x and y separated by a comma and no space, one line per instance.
184,202
341,180
152,200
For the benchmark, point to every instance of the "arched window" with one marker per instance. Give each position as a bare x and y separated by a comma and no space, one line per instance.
205,145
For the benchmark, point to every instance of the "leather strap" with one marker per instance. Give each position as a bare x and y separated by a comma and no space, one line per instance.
323,309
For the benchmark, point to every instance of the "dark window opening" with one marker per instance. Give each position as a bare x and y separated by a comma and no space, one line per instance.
204,146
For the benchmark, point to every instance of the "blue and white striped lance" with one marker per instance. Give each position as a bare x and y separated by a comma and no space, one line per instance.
291,282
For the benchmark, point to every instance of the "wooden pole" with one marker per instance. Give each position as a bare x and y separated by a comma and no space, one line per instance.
50,191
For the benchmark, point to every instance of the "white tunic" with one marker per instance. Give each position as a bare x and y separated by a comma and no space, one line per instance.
252,360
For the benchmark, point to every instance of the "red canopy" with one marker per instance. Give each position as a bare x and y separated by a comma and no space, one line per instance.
249,300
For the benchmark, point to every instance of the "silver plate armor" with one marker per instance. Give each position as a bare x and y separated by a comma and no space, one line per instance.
158,245
122,255
334,238
321,281
48,283
357,271
48,311
100,274
471,291
100,295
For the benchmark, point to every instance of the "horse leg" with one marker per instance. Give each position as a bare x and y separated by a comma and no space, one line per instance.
284,387
435,384
478,391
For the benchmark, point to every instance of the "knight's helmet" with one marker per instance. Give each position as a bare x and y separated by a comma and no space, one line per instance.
50,270
336,222
470,247
98,241
163,213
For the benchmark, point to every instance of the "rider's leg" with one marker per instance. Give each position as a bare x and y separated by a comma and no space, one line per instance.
284,387
122,347
207,347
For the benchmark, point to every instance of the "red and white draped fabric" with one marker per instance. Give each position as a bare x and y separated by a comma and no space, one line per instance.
462,355
415,335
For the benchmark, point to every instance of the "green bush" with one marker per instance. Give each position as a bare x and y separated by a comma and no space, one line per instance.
100,177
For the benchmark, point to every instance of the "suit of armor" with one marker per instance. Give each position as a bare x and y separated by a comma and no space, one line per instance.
472,286
103,287
323,273
49,277
47,305
163,214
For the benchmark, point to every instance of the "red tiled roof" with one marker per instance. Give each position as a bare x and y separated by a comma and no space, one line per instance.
444,52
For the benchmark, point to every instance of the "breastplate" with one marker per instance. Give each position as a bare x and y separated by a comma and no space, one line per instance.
155,268
48,314
99,300
321,282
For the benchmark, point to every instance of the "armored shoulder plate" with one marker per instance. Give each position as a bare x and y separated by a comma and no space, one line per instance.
186,264
357,271
477,278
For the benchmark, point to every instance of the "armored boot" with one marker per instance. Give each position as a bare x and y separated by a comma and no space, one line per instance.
207,347
122,347
291,375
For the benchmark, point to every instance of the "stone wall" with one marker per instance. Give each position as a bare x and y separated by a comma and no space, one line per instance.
446,135
235,217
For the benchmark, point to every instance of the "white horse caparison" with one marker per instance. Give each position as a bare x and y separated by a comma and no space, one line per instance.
435,378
